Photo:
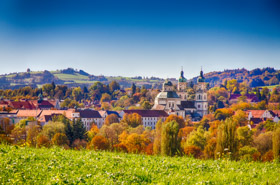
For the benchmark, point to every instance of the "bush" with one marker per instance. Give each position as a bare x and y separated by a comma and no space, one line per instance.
43,141
247,152
60,139
79,144
268,156
120,147
193,151
5,139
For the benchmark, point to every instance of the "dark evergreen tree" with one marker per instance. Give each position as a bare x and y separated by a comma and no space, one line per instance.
79,131
133,88
69,132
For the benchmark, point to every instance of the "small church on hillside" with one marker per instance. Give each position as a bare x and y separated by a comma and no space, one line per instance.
175,100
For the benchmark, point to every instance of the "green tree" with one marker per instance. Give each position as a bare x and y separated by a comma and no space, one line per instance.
197,138
79,131
276,143
244,136
226,138
113,86
170,142
157,140
52,128
77,93
133,89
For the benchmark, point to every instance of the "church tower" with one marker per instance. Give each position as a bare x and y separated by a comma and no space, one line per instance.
201,102
182,86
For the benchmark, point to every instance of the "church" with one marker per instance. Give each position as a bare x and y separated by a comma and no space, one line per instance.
175,100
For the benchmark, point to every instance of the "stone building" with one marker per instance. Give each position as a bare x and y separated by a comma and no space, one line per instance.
175,101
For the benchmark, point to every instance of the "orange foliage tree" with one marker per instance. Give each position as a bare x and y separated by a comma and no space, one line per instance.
176,118
112,118
98,143
132,120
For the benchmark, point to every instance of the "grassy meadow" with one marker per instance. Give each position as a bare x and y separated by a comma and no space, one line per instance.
58,166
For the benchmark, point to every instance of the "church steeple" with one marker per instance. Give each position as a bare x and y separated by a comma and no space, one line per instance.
182,78
201,77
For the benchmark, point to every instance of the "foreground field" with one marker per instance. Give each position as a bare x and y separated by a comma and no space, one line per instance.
58,166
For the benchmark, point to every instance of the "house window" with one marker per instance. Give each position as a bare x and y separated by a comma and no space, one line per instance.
198,106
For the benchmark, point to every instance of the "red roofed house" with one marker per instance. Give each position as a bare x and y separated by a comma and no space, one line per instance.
149,117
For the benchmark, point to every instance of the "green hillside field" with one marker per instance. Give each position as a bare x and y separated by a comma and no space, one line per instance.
58,166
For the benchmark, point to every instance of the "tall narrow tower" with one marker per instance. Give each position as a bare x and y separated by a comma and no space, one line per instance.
201,102
182,86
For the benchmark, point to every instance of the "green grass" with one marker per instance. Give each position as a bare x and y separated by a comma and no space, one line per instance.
73,77
58,166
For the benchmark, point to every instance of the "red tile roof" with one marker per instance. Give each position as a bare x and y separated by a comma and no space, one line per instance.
21,105
256,113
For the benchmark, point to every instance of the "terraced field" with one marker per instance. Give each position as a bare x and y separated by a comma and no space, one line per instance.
58,166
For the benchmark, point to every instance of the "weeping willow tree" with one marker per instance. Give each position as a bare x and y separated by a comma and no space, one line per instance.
227,140
276,143
170,141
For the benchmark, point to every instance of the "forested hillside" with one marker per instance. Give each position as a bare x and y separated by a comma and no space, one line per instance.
257,77
72,78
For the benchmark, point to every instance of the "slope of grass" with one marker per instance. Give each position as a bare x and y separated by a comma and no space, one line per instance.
58,166
73,77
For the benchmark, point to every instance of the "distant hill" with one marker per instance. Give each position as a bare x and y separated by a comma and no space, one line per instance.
256,77
71,77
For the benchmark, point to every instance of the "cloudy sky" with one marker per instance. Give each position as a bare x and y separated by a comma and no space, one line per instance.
139,37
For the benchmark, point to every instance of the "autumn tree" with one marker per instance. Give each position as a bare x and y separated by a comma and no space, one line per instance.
98,143
276,143
112,118
43,141
157,140
136,143
113,86
197,138
244,136
209,149
170,142
33,131
132,120
226,138
263,142
60,139
52,128
92,132
105,97
178,119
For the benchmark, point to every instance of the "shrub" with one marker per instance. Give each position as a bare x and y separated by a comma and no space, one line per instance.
43,141
193,151
60,139
120,147
5,139
247,152
268,156
79,144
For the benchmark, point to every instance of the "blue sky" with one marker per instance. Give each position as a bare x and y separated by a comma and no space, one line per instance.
139,37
